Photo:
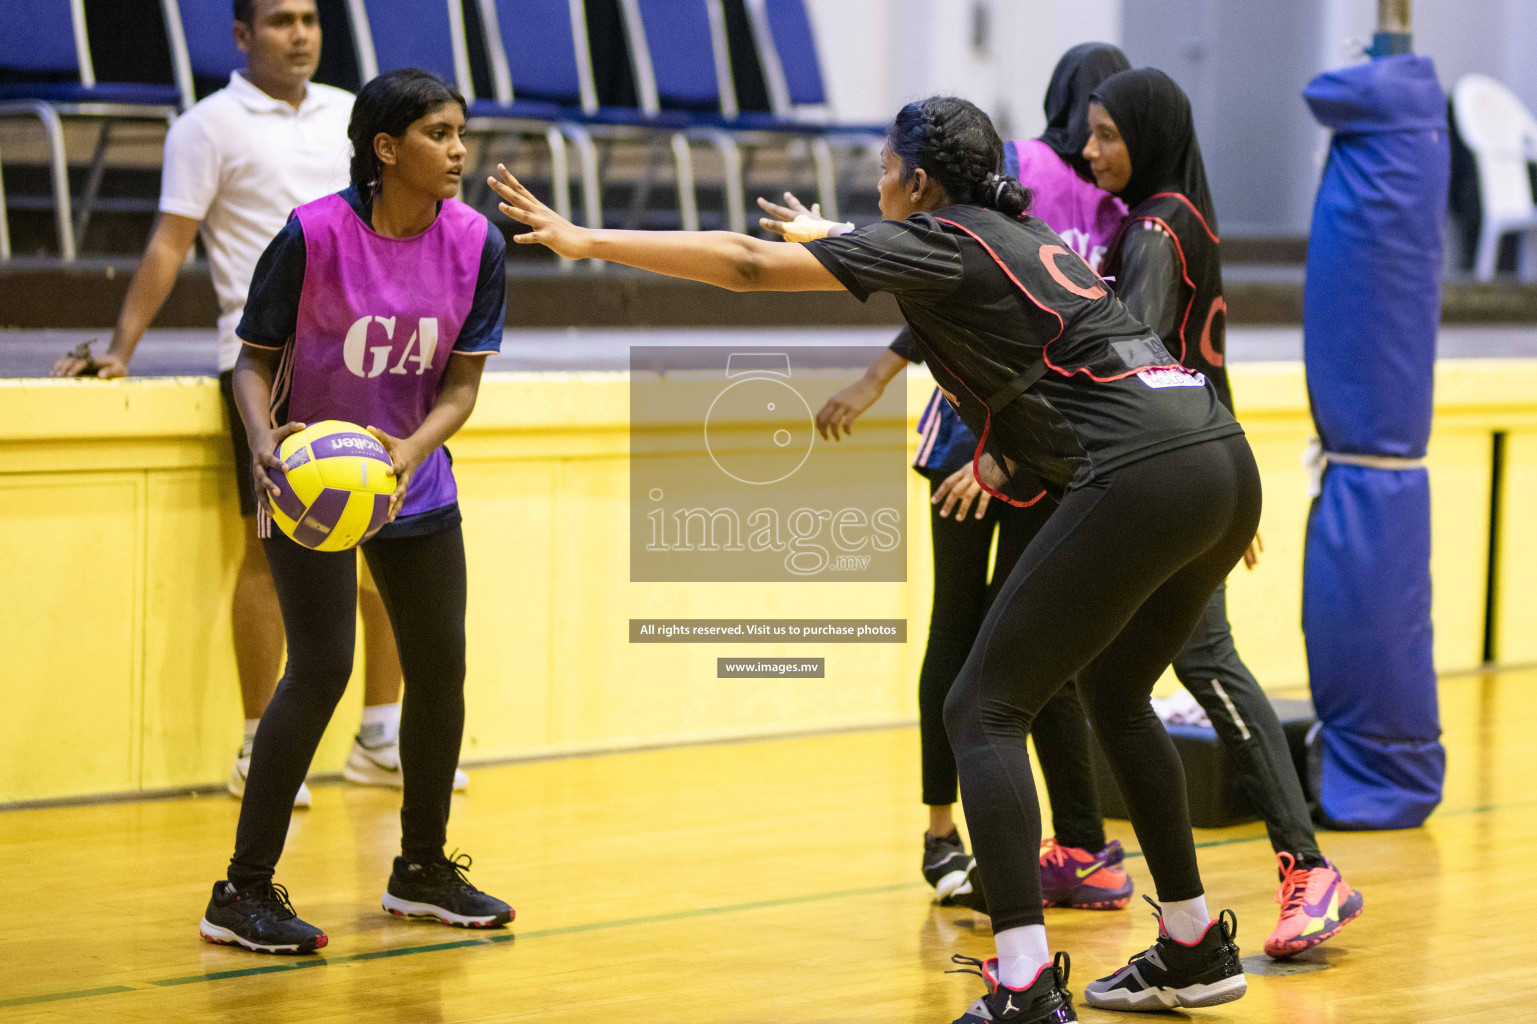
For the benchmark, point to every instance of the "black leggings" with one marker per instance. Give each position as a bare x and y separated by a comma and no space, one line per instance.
422,583
1109,590
1246,724
962,595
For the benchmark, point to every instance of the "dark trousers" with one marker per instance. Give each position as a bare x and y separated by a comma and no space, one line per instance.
422,583
962,595
1246,724
1108,591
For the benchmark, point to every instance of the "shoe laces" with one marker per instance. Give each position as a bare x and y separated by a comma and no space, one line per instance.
1294,884
969,965
269,893
1053,852
1061,964
458,864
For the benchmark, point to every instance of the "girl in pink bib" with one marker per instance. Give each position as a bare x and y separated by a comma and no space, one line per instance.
374,305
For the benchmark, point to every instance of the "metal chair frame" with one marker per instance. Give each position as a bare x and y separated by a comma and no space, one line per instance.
71,225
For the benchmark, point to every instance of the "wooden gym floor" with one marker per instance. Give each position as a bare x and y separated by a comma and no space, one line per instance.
771,882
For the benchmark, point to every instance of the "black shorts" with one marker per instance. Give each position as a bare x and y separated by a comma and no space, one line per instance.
245,488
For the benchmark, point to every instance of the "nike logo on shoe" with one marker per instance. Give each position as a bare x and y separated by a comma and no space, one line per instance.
1327,919
1329,903
1086,872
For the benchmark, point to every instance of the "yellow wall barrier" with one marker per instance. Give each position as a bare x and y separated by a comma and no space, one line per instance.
119,542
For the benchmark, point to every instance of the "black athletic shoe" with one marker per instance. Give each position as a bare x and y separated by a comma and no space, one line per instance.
969,893
259,918
440,889
945,864
1173,973
1045,1000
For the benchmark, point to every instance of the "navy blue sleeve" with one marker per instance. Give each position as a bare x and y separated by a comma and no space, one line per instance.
482,330
272,305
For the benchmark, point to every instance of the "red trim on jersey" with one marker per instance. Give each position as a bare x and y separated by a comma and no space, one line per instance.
1061,324
1184,199
987,425
1184,274
1045,349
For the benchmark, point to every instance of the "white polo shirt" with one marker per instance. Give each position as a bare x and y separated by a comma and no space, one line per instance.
240,162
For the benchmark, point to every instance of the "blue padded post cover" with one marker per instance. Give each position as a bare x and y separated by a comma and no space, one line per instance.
1371,308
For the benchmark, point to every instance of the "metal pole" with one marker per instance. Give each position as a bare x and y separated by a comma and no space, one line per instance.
1393,16
1393,29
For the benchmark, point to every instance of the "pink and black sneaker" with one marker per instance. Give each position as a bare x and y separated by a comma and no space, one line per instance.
1171,973
1045,1000
1074,877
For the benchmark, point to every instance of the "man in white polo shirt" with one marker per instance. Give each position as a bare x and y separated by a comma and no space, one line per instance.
236,165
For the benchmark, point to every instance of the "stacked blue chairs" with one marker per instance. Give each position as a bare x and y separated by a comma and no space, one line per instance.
207,54
47,42
792,71
539,53
682,61
430,34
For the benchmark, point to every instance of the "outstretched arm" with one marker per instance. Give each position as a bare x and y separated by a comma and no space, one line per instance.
725,259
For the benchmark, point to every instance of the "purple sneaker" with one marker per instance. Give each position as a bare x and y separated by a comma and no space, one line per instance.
1072,877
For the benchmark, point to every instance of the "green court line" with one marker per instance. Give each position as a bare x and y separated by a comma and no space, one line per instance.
245,972
52,997
575,929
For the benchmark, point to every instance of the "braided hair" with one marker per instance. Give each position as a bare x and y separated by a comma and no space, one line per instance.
955,143
389,104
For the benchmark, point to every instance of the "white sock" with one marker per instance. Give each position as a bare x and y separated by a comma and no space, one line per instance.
250,736
1186,920
380,725
1021,954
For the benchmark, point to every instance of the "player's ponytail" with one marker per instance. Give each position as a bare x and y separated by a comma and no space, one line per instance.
955,143
389,104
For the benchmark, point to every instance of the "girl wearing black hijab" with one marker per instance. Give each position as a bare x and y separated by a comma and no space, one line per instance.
1167,271
1069,395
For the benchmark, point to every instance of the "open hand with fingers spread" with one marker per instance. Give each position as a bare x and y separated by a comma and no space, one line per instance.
549,228
795,223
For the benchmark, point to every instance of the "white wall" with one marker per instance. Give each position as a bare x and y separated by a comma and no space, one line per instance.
883,53
1244,63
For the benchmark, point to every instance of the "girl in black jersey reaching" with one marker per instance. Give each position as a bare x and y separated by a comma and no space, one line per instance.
1068,393
1168,273
1080,867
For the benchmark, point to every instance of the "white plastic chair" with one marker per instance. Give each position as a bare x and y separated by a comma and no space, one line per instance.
1502,135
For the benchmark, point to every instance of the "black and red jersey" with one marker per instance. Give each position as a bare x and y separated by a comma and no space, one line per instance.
995,302
1167,270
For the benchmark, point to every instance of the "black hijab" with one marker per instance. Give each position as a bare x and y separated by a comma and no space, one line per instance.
1078,73
1153,116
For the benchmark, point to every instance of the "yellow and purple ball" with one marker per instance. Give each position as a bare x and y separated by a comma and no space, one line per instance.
334,488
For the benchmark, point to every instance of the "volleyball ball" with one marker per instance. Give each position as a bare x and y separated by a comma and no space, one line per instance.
334,488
